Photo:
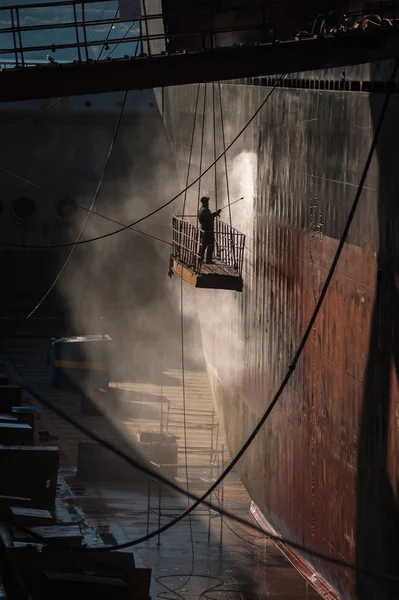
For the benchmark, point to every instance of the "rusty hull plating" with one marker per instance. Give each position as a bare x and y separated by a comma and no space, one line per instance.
323,471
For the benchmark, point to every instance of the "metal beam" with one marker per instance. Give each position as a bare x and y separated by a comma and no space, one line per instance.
217,65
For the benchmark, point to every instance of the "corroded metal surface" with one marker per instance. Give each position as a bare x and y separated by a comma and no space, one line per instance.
324,468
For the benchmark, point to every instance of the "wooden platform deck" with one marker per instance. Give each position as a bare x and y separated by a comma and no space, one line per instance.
212,276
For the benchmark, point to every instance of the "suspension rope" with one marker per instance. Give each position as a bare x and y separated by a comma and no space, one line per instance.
227,177
201,149
224,154
85,208
214,144
174,591
156,210
109,33
36,114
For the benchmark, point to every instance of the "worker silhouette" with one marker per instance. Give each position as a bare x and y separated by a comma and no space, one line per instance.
206,219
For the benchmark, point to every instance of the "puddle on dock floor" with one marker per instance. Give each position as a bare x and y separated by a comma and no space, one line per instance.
243,565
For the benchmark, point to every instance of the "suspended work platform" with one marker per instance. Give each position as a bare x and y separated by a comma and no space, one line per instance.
189,249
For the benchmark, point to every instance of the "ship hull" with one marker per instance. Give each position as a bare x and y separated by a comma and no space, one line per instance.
322,471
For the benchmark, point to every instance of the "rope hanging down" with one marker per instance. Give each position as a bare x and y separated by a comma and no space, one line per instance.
201,149
156,210
190,575
214,145
90,211
202,499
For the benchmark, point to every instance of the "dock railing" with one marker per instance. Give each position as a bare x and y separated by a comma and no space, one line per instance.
188,248
87,31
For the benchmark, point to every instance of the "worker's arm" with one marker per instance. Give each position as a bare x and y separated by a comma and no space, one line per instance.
217,213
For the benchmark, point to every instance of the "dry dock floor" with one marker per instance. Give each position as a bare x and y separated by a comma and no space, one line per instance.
246,565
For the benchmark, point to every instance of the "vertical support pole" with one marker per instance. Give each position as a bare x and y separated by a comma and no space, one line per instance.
222,492
20,37
159,512
77,32
146,28
212,426
84,31
264,21
14,37
148,505
210,26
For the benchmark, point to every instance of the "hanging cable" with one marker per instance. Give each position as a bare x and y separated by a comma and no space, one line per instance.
224,154
214,144
156,210
227,178
36,114
291,369
183,366
85,208
201,149
68,258
109,33
123,37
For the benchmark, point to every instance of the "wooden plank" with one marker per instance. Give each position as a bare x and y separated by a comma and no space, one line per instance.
31,516
16,433
10,395
184,272
76,577
62,514
70,534
30,472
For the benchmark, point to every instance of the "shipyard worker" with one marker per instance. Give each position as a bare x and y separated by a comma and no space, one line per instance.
206,219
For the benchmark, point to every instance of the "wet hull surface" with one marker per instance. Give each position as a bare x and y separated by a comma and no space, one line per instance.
323,470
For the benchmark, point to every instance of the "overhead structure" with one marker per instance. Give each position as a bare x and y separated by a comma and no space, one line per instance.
186,260
200,43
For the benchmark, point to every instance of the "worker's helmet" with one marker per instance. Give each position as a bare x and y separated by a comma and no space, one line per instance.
204,200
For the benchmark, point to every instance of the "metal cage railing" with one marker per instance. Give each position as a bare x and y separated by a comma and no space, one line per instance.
188,245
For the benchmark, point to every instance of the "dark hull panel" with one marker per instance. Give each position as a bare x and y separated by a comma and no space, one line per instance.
323,471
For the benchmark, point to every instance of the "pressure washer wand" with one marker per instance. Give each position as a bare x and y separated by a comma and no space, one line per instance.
231,203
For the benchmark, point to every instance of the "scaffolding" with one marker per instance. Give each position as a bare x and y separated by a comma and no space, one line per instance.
201,474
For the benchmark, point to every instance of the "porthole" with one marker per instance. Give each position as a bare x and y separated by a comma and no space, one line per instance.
24,208
66,209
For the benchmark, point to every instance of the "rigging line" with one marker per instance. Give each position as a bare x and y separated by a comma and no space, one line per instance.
202,148
149,235
156,210
109,33
277,396
68,258
214,144
227,175
95,213
225,158
161,479
36,114
123,37
45,109
182,355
